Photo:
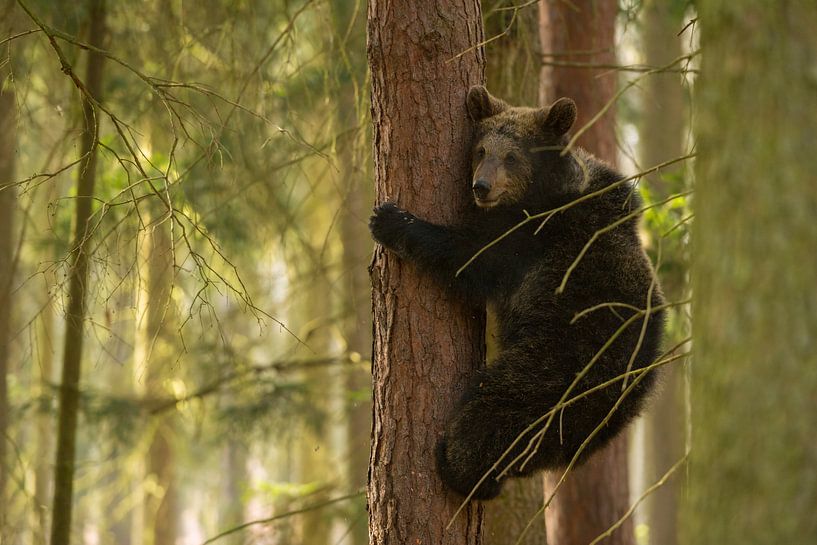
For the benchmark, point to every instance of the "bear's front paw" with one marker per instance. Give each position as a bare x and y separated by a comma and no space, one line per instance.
458,473
388,225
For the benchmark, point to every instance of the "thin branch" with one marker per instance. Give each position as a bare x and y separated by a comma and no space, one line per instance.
658,484
635,81
267,520
19,35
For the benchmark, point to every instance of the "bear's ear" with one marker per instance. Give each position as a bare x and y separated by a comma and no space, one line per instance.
560,116
481,104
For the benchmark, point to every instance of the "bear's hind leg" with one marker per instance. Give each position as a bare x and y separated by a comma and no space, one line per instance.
491,418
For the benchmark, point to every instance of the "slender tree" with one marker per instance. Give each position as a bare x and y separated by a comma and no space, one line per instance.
349,39
576,36
661,139
753,468
153,366
8,206
315,444
64,463
422,60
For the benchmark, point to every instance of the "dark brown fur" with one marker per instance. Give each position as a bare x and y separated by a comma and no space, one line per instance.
543,345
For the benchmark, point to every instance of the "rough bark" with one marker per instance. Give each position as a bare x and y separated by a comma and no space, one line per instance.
662,139
574,35
77,290
754,380
426,343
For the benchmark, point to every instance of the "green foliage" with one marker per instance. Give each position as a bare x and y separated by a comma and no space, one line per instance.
271,405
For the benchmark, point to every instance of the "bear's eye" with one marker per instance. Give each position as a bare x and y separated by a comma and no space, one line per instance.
480,152
510,159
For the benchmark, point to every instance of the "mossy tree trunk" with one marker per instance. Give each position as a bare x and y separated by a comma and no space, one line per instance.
753,475
426,343
77,288
582,32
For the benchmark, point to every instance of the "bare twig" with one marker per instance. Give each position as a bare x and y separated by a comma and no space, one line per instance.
313,507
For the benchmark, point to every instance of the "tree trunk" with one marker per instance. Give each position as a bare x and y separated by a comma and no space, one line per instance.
153,358
77,290
662,130
576,35
315,445
661,139
582,32
426,343
513,59
43,372
350,32
233,485
753,475
357,332
508,516
8,205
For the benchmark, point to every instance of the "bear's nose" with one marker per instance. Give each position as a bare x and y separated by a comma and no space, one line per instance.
481,188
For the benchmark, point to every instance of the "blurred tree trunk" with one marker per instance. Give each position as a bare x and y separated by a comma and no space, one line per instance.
662,139
426,343
512,73
43,370
44,425
753,474
315,445
576,35
349,20
156,520
8,206
357,333
596,494
663,116
513,61
158,516
507,516
45,350
234,479
77,288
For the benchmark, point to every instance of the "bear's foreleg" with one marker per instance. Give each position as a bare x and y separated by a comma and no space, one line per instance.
438,250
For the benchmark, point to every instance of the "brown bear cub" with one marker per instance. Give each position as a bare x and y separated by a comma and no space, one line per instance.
600,331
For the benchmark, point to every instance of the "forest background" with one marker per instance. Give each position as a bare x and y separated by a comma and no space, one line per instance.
184,195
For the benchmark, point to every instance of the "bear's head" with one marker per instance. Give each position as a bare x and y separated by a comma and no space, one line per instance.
515,148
